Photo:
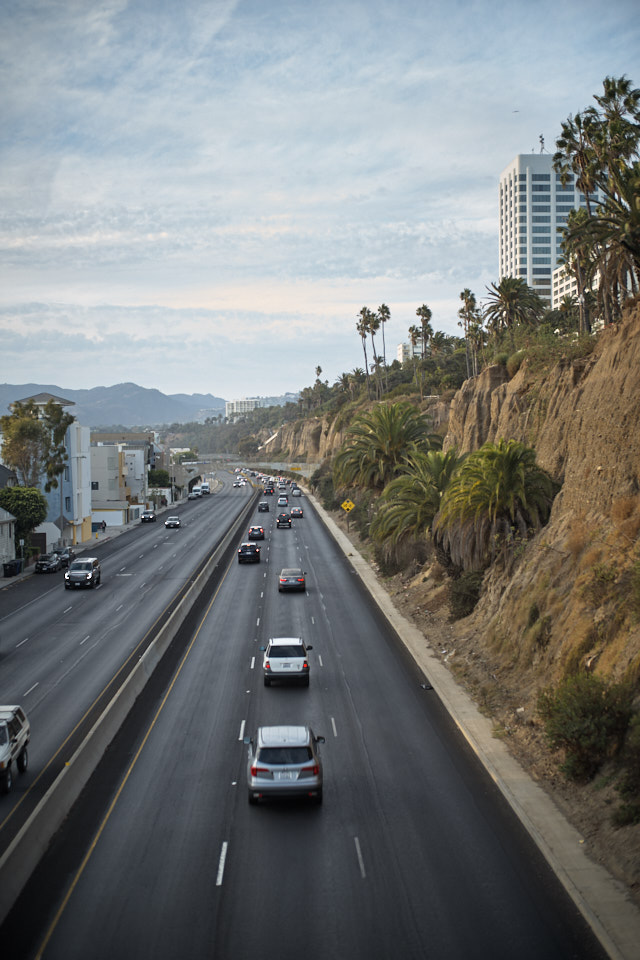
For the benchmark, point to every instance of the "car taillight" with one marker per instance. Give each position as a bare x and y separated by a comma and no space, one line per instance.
255,771
300,579
305,665
315,770
267,665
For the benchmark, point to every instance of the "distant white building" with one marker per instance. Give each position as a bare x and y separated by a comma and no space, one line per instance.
236,408
405,351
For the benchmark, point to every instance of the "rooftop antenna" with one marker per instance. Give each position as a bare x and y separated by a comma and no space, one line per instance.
541,139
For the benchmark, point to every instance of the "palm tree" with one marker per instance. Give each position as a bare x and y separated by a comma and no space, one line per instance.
512,302
384,314
414,338
411,500
378,445
498,494
470,319
362,326
426,330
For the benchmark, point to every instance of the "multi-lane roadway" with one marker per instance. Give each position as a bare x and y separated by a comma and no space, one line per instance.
413,853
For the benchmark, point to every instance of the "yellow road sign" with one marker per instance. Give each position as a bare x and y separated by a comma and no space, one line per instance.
347,505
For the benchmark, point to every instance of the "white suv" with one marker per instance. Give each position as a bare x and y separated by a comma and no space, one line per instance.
285,658
15,733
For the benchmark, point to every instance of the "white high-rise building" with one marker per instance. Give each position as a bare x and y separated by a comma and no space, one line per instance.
534,206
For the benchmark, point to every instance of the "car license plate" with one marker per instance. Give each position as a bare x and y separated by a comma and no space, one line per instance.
286,774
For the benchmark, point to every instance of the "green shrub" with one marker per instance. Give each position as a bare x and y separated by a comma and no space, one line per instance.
464,593
514,363
501,359
586,716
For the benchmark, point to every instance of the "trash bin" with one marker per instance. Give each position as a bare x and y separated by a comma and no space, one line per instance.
12,568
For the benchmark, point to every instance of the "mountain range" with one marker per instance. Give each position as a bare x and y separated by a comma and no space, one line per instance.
124,404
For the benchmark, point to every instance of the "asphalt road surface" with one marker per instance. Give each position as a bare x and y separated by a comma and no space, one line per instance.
413,853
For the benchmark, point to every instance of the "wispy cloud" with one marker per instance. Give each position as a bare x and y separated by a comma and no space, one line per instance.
254,173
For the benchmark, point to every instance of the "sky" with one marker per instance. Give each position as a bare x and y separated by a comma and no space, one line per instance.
200,196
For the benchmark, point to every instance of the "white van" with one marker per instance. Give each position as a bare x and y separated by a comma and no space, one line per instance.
205,488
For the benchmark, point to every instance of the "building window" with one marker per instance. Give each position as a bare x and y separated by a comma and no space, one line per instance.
542,272
560,208
541,176
542,259
541,250
67,503
540,209
540,220
95,484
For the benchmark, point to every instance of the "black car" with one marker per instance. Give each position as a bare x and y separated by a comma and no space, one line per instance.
263,507
284,520
66,554
268,491
148,516
249,553
48,563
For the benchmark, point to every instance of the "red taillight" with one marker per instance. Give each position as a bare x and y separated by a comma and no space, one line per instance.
300,579
305,665
256,771
315,770
267,665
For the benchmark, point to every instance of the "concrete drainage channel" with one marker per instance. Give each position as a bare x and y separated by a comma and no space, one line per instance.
27,848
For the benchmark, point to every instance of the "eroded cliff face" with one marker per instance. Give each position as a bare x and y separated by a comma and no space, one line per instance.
566,596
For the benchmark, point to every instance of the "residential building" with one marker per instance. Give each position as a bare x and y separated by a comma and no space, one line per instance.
7,536
68,519
236,408
407,351
534,206
110,493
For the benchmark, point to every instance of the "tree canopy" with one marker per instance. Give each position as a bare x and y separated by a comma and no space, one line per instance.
27,505
33,442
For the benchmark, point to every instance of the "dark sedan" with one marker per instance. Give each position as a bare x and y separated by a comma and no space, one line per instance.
284,520
249,553
48,563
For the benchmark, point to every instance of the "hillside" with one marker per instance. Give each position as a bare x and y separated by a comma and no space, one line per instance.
571,599
125,404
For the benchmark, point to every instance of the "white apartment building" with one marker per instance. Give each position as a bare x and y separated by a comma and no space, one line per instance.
235,408
534,206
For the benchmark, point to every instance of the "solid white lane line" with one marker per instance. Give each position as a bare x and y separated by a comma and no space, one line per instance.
223,857
333,724
241,737
31,689
363,872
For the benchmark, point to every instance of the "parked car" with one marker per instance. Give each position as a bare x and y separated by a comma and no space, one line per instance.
291,578
284,761
172,522
284,520
256,533
147,516
285,658
296,512
84,572
15,733
48,563
249,553
263,507
192,495
66,555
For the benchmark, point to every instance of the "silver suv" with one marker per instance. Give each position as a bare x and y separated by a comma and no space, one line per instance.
284,762
285,658
84,572
15,733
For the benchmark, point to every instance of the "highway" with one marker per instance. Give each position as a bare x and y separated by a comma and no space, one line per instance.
60,650
413,853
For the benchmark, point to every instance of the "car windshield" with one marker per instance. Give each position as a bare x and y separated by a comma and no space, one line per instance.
278,755
291,573
81,565
284,650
